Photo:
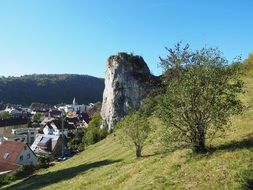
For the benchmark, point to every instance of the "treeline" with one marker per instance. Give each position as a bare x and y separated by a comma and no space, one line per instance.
51,89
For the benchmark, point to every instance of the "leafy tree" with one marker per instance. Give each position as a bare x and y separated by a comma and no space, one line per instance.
78,142
249,63
94,131
249,60
200,98
149,104
135,129
37,117
5,115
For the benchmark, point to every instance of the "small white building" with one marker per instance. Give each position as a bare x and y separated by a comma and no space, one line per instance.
54,127
51,129
17,153
74,107
12,111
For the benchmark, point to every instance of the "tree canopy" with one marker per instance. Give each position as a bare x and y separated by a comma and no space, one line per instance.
135,131
201,96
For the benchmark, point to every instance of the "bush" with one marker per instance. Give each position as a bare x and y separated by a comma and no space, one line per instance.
44,161
25,171
95,134
7,179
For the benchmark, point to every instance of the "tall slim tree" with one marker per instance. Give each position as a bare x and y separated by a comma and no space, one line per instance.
135,130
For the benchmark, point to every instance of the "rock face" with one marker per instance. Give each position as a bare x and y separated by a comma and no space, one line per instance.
127,82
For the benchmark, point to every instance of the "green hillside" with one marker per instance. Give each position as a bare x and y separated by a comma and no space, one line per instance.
109,165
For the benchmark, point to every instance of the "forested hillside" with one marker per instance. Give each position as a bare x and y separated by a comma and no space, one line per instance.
51,89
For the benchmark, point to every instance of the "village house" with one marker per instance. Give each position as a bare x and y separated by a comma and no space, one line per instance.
53,126
48,144
14,112
13,154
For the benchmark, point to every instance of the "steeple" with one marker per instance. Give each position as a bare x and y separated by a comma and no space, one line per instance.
74,101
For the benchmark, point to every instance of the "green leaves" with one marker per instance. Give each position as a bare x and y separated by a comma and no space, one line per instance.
200,97
134,131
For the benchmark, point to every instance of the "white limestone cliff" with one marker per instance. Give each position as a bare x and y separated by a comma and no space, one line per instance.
127,82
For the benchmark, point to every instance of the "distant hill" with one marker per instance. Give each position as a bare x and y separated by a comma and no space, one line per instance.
51,89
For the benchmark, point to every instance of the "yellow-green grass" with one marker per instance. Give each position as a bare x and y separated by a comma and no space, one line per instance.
109,165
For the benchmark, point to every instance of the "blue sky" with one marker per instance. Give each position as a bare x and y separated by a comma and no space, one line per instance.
71,36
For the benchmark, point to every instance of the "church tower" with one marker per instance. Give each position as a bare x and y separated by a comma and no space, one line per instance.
74,101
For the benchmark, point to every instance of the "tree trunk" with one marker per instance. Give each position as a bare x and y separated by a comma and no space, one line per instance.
138,151
199,145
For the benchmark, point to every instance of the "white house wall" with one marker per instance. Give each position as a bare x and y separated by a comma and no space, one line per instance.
26,160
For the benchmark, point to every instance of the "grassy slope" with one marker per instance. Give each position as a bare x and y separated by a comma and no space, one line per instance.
108,165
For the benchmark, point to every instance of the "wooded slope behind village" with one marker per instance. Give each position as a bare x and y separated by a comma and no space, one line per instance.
50,89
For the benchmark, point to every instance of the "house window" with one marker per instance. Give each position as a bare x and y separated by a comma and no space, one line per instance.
28,156
6,155
21,158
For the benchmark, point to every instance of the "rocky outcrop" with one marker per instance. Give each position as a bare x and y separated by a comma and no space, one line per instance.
127,82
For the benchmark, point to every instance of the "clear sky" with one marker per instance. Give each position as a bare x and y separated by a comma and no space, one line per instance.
72,36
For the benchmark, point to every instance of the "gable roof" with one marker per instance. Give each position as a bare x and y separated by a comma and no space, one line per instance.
57,123
6,167
43,140
10,150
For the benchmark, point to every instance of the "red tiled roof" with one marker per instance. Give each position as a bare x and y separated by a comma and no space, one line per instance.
10,150
6,166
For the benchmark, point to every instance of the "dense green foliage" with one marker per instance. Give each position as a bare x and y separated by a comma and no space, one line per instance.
44,161
7,179
94,131
88,136
249,64
78,141
51,89
25,171
200,98
4,115
37,117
